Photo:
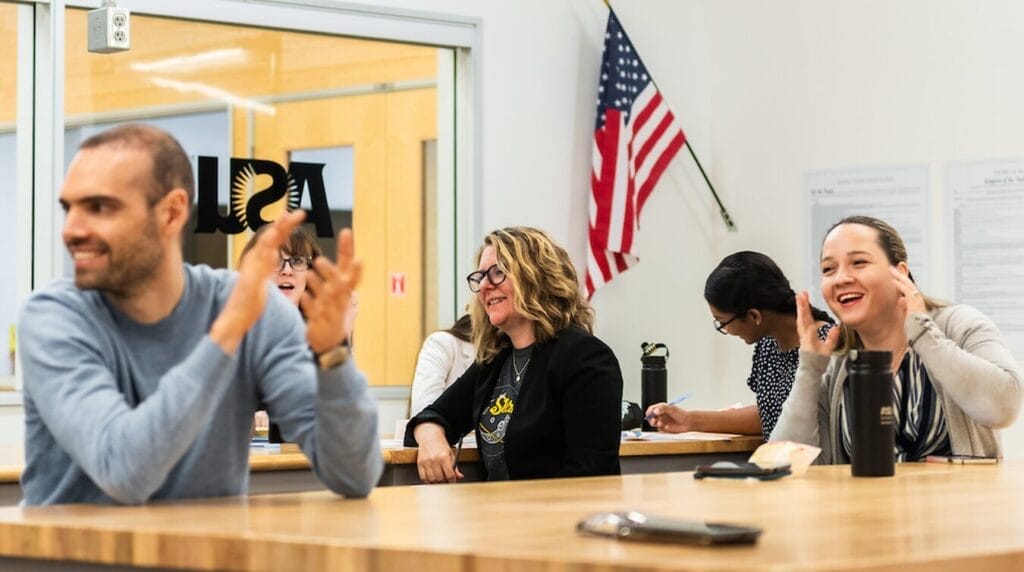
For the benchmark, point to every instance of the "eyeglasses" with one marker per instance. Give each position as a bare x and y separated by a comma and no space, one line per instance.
720,326
298,263
494,274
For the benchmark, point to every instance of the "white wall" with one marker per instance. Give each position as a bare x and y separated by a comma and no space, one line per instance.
765,91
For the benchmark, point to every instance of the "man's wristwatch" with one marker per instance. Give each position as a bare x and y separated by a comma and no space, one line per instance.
332,358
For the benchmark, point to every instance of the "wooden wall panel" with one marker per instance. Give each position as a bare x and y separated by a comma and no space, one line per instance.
412,119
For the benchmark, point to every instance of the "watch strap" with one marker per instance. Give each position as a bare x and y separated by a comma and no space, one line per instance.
332,358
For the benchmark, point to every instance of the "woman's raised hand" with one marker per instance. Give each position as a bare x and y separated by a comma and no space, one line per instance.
326,302
249,294
912,300
807,328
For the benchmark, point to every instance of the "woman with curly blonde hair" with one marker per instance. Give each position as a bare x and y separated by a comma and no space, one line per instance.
544,395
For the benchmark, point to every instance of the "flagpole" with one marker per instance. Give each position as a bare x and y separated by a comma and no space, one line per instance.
731,226
726,218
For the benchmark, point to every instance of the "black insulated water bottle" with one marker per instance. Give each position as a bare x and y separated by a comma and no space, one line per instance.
873,438
653,378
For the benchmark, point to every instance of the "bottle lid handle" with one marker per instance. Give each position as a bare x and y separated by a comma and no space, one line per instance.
649,348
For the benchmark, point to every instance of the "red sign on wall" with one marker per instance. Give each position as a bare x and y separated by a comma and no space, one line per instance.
398,283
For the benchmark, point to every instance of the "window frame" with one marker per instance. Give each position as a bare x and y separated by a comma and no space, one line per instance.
459,118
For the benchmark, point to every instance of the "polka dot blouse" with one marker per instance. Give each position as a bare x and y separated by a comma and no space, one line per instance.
771,377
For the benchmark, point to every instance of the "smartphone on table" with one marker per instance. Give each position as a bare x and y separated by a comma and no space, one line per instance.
962,459
733,470
635,525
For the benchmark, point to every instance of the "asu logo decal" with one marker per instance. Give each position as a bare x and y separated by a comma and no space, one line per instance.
246,201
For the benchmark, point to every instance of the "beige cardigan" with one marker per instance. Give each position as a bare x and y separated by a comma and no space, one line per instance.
974,374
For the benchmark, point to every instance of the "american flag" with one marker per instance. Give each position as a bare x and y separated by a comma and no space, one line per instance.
635,138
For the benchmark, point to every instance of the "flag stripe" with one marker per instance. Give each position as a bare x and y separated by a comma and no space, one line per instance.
620,206
648,101
626,244
659,167
643,171
604,192
657,137
598,264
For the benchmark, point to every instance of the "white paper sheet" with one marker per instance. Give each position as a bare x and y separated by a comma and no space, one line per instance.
986,220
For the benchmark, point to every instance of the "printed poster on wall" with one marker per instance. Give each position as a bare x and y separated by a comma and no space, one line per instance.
986,222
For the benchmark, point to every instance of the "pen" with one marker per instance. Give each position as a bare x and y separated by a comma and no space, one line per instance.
675,401
458,450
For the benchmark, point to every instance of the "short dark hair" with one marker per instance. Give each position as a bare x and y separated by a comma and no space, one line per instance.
172,168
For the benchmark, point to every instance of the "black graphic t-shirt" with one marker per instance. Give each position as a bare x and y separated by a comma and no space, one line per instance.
497,413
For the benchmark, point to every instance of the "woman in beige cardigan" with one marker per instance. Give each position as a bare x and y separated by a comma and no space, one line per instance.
955,381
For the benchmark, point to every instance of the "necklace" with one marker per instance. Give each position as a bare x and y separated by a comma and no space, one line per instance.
519,372
896,363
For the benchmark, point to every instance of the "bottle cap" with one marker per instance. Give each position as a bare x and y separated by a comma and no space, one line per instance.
649,349
657,361
871,358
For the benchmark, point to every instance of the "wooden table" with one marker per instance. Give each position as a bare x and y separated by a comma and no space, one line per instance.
287,469
928,517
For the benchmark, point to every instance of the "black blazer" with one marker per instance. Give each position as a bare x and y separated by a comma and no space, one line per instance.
568,417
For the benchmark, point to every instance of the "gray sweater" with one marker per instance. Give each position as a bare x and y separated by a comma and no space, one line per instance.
976,378
122,412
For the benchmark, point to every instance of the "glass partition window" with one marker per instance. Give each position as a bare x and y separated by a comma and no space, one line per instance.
334,125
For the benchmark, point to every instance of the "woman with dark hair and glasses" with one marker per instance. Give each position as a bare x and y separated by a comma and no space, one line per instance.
544,395
750,298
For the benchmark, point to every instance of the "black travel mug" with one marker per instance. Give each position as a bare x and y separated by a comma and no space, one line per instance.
872,417
653,378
